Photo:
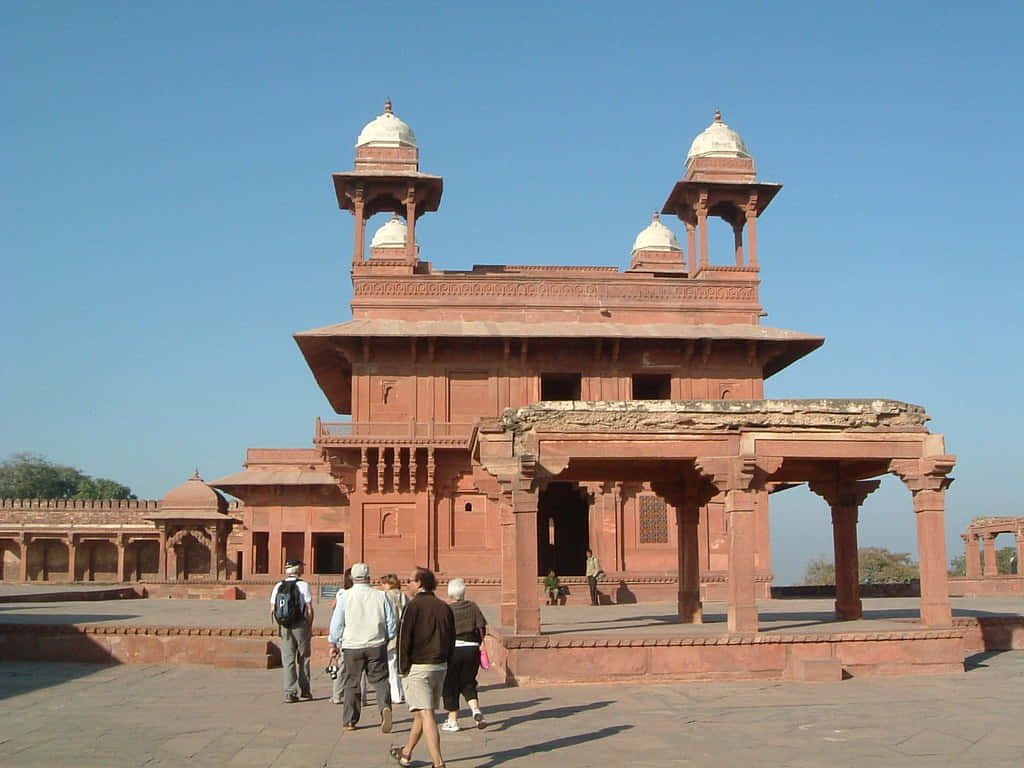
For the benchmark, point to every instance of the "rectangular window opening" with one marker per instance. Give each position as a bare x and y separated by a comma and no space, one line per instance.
561,386
652,386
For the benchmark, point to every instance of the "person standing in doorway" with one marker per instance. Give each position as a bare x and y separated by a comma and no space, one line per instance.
594,573
426,642
291,606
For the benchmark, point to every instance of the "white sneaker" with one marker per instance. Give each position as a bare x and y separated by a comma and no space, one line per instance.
449,726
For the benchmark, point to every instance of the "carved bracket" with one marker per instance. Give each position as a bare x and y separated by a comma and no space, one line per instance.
927,474
738,473
844,493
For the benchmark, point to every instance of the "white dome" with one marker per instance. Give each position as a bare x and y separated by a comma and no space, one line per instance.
393,234
386,131
717,140
656,237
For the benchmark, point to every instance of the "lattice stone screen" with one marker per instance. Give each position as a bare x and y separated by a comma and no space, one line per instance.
653,520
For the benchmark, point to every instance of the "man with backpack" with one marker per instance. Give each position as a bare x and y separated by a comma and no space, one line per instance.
291,606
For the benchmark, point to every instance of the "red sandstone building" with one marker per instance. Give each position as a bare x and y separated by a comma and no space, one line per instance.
500,421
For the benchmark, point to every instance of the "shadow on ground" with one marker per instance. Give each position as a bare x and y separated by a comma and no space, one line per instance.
18,677
566,742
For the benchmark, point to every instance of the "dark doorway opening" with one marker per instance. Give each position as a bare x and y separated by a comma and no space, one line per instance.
562,530
652,386
261,552
328,553
561,386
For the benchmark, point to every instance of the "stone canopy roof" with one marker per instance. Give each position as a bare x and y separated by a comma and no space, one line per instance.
716,415
333,370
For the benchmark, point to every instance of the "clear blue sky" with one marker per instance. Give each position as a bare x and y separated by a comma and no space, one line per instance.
167,217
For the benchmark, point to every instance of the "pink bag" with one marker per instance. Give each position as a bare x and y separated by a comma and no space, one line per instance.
485,660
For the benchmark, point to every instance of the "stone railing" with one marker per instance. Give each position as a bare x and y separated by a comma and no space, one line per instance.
368,431
84,511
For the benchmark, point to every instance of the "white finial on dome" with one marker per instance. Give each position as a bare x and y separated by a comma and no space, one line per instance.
717,140
393,234
386,130
657,237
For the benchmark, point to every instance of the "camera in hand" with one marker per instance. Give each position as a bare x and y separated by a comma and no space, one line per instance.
332,670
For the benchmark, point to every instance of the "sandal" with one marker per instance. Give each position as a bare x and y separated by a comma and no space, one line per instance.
397,754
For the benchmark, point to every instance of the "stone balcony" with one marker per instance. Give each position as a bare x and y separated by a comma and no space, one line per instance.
436,434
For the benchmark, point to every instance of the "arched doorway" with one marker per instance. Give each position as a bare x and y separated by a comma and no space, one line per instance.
193,558
48,560
563,530
10,560
142,560
96,561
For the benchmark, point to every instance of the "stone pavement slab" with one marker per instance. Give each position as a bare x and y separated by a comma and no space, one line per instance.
133,715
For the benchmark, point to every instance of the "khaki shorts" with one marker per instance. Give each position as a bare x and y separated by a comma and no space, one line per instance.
423,686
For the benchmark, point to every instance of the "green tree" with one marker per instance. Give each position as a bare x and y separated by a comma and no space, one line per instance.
820,571
31,476
958,566
876,564
101,488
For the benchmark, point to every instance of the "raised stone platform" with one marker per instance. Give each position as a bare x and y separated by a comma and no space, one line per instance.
578,644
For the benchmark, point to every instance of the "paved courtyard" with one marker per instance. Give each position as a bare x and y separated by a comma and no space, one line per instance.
783,616
54,714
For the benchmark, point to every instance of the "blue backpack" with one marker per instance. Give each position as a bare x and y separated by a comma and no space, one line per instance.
288,608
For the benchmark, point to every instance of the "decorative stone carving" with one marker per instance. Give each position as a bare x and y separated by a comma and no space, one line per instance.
714,415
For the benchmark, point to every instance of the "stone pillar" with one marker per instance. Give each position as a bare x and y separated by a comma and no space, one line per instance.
688,518
737,235
972,555
737,478
620,527
928,480
691,245
702,228
120,544
410,224
72,557
25,539
739,511
751,214
508,565
524,512
1020,552
359,251
163,554
991,562
845,498
214,545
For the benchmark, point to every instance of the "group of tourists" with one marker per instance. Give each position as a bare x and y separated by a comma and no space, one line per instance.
420,650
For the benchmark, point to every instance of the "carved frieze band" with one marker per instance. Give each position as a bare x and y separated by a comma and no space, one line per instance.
548,288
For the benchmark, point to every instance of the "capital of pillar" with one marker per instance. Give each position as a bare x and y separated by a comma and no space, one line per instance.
844,494
927,478
737,474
